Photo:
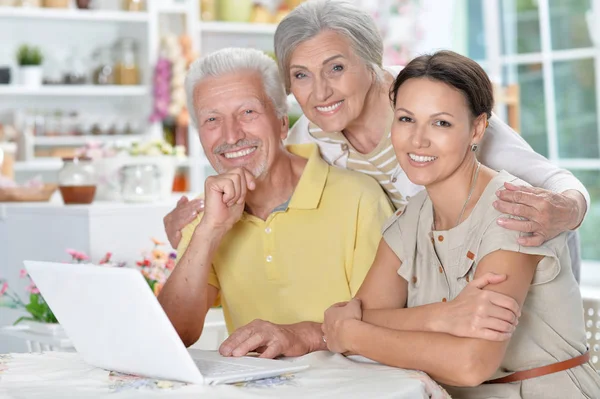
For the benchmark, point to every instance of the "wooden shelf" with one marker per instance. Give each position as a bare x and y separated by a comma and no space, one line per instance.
74,90
73,15
237,28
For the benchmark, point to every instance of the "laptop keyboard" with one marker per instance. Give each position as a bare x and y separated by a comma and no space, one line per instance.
215,368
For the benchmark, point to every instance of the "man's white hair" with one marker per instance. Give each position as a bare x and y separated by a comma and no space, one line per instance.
231,60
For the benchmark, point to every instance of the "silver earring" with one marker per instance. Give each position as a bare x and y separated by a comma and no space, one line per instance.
474,147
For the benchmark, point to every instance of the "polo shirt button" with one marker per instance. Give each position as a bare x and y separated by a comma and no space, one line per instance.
442,270
394,180
268,230
444,299
414,280
345,147
440,238
269,258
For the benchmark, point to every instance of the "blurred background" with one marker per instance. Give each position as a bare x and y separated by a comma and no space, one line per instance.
104,78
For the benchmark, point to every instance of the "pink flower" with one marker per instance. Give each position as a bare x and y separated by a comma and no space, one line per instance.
72,252
106,258
4,288
32,289
23,273
170,265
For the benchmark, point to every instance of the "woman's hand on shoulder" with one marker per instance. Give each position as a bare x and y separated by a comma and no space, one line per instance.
547,214
183,214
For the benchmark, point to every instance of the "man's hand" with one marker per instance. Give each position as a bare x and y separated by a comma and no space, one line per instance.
475,313
225,198
333,325
183,214
548,214
269,339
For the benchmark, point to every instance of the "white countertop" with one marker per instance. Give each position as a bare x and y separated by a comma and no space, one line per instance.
98,207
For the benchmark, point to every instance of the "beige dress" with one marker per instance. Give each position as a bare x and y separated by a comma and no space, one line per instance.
438,264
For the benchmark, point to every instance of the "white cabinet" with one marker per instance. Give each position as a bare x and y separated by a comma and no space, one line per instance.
44,231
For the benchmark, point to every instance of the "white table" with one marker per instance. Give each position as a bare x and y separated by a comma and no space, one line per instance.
61,375
213,334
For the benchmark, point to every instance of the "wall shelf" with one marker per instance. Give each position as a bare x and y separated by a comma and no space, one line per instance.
237,28
73,15
38,165
50,141
74,90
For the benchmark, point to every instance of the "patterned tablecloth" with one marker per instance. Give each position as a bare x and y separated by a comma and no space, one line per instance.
65,375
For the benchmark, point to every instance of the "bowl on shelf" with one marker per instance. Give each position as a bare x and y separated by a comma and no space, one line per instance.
27,194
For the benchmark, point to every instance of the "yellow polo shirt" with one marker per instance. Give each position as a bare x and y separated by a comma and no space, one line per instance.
301,260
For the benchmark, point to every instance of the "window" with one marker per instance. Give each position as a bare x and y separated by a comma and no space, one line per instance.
545,47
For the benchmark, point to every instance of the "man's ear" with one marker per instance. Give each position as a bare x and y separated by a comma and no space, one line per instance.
285,127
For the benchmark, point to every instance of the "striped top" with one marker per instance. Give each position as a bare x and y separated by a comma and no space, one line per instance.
381,163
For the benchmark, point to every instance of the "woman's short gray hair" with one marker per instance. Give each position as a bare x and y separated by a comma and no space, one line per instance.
315,16
230,60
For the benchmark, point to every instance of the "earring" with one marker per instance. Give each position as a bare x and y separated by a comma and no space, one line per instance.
474,147
487,124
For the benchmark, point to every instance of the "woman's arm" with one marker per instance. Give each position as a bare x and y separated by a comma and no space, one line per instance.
474,313
564,197
503,148
448,359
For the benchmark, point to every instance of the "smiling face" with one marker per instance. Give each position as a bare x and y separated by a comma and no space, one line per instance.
433,130
329,81
237,123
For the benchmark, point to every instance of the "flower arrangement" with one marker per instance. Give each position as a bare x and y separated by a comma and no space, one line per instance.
156,147
99,150
156,265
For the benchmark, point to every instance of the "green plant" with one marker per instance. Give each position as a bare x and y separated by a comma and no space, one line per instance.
29,55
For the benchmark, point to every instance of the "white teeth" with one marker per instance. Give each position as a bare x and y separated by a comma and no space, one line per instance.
421,158
330,108
241,153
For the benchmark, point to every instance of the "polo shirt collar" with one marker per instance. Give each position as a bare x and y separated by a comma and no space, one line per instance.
309,189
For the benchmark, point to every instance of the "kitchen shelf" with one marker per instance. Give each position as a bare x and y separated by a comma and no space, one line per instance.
237,28
74,90
49,141
38,165
55,163
73,14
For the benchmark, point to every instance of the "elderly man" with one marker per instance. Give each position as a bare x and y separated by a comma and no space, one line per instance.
283,235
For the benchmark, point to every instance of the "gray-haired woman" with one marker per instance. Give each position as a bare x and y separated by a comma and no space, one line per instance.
330,57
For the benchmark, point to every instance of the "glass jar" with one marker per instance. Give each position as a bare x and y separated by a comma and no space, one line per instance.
208,10
126,70
133,5
140,183
103,69
77,181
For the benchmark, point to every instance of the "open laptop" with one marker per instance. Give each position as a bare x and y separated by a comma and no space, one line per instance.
116,323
